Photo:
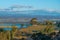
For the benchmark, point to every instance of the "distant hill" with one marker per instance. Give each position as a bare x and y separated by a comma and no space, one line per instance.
39,14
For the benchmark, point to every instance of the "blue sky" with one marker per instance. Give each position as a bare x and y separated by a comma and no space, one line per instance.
40,4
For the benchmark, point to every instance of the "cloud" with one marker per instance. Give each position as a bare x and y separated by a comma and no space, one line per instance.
51,10
25,7
20,6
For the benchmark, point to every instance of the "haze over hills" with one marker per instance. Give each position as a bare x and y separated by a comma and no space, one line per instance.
19,15
28,13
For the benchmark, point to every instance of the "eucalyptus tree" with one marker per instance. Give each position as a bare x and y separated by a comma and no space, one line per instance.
33,21
13,31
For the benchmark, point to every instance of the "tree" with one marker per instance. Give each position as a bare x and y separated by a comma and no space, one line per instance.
49,22
22,25
1,29
14,29
49,29
33,21
40,36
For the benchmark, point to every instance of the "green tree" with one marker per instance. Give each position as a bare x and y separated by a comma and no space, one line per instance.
49,29
14,29
49,22
22,25
33,21
1,29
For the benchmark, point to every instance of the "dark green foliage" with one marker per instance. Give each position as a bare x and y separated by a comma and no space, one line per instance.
40,36
1,29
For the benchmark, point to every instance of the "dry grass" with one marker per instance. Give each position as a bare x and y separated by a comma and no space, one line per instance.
36,27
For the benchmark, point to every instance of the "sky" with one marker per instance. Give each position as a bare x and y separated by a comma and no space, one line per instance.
39,4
